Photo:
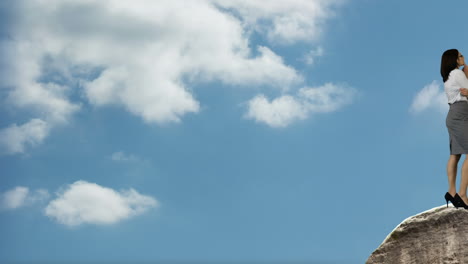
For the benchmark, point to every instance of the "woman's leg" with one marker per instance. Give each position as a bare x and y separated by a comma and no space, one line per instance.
464,181
452,173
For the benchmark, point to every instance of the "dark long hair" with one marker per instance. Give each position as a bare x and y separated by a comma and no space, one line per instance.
448,63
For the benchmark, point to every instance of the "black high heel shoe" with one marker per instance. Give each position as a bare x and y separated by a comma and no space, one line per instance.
460,202
449,197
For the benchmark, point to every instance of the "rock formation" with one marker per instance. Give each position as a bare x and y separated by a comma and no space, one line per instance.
439,235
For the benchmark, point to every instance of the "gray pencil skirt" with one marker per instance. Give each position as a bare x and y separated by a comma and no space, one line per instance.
457,125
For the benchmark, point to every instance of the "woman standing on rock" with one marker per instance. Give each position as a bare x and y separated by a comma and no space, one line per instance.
455,84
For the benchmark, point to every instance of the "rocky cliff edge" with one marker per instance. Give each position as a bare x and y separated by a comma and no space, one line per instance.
438,235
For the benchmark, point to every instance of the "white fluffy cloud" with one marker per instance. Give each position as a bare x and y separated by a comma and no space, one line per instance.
89,203
284,110
285,22
21,196
278,113
144,55
431,96
15,139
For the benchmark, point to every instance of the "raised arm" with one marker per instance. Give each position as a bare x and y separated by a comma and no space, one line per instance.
463,81
464,91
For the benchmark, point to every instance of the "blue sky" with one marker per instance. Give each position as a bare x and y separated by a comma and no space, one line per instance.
218,130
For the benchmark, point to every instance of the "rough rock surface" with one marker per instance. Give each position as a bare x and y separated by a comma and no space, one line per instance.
439,235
